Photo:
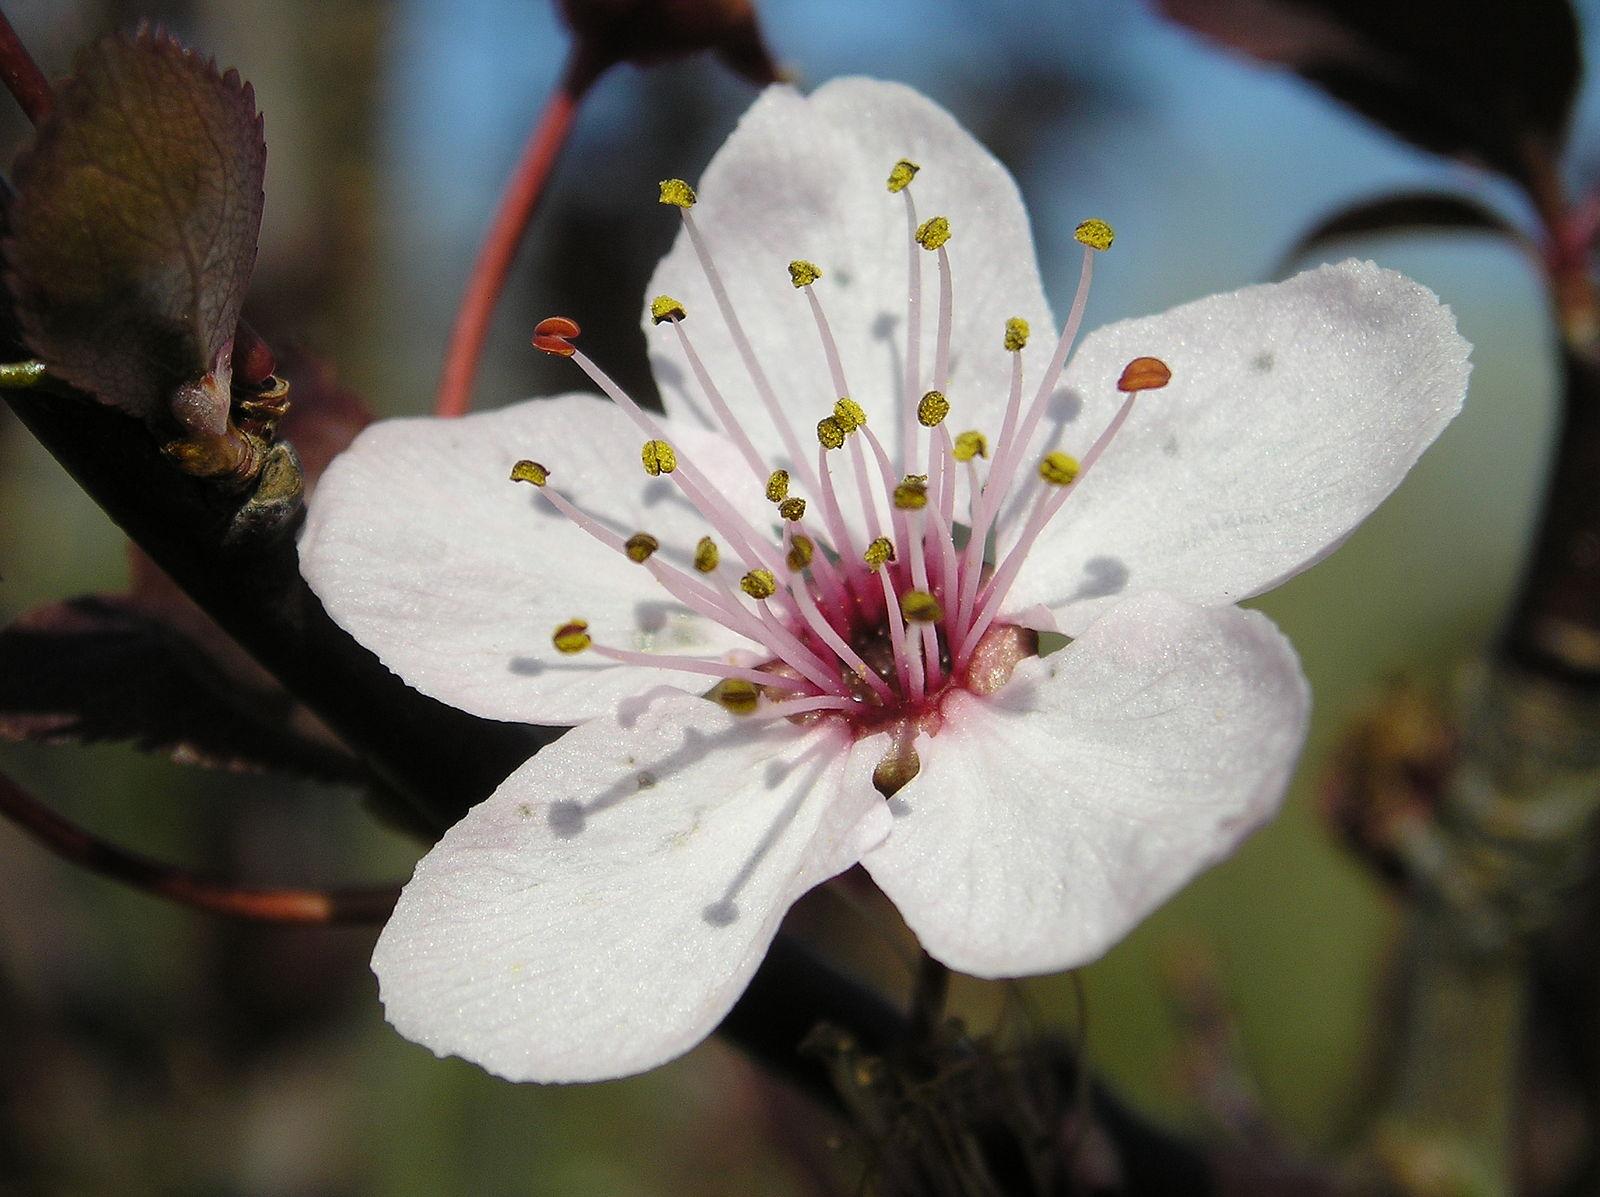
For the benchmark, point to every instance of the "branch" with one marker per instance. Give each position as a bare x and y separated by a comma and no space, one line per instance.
1554,629
72,843
23,78
517,206
441,759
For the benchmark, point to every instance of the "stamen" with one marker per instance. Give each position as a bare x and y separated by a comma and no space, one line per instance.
932,409
1017,331
581,518
777,486
943,513
706,555
677,193
836,642
707,499
640,547
625,656
792,509
933,233
554,335
847,413
765,629
941,344
741,342
572,636
901,175
1096,234
664,308
918,606
1144,374
658,457
1059,469
759,584
788,708
803,273
735,695
850,414
719,406
970,444
913,363
530,471
881,552
802,549
911,494
1064,474
828,430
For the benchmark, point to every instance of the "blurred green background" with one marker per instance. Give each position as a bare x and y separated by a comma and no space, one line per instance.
145,1049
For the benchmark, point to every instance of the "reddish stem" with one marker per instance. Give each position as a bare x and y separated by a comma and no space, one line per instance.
74,844
23,78
517,206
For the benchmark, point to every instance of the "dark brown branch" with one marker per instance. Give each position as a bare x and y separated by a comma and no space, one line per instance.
441,759
306,906
1554,629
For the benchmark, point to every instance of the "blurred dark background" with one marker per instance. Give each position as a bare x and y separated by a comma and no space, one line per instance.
147,1049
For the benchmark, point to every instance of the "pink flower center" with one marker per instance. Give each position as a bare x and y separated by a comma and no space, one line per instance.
877,596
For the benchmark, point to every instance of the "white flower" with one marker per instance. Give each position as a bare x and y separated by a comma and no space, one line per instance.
605,907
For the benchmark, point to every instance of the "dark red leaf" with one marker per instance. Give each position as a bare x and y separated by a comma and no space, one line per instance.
1404,213
1477,79
133,233
99,668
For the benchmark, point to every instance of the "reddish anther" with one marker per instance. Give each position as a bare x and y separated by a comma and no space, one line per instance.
1144,374
554,335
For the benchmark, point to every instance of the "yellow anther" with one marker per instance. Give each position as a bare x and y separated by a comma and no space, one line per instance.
970,444
932,408
530,471
1096,234
902,174
1144,374
850,414
706,555
792,509
803,273
759,584
933,232
658,458
777,486
1016,334
572,636
801,550
1059,469
677,193
830,433
640,547
879,553
911,494
918,606
664,308
735,695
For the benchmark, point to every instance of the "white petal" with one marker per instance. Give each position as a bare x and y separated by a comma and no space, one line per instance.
420,545
1050,818
1294,410
805,178
601,912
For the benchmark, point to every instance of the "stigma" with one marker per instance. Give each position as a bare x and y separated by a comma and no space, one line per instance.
860,577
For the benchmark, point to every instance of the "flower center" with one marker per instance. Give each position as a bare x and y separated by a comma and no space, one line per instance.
869,584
